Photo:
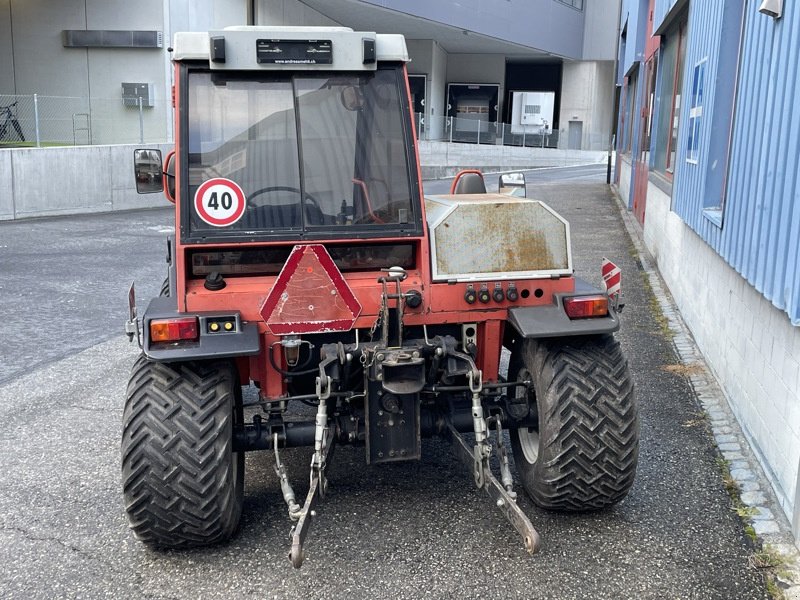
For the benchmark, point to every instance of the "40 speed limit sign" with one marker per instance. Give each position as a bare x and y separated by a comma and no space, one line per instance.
219,202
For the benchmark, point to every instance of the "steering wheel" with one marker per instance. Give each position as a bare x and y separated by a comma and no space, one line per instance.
312,211
287,188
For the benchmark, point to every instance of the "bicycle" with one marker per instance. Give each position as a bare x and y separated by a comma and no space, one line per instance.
9,118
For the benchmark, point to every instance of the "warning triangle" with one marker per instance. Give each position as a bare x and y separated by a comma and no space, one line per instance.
310,295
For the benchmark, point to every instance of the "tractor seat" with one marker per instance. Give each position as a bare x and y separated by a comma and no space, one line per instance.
469,182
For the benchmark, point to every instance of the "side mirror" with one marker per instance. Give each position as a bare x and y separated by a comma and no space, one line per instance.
169,177
147,170
512,184
352,98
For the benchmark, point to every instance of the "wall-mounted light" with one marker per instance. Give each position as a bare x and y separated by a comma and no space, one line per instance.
771,8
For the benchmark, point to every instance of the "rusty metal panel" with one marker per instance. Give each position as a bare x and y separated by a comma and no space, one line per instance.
495,236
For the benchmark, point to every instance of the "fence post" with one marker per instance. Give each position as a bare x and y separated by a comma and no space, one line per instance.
141,121
36,119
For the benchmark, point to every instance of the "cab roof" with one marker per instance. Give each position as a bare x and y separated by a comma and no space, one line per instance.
276,48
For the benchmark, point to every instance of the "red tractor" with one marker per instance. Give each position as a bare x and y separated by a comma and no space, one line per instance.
307,262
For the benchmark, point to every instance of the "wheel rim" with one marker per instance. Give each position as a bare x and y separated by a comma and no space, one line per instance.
529,443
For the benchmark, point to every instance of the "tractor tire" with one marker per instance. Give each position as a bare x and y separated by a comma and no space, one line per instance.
182,483
164,288
583,453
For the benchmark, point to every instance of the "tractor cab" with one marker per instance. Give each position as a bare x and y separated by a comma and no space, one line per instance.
294,138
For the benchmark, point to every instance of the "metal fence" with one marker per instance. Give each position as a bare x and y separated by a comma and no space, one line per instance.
476,131
36,120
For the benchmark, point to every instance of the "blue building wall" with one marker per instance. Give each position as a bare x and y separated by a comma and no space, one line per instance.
742,194
634,14
752,219
761,229
633,20
689,192
660,10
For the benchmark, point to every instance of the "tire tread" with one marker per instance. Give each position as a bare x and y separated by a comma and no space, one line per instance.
178,478
589,426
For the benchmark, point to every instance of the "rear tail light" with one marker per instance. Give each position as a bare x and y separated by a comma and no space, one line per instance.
586,307
174,330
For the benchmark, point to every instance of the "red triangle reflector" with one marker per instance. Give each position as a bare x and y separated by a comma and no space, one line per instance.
310,295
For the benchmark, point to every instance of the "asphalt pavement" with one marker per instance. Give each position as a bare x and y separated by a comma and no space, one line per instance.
408,530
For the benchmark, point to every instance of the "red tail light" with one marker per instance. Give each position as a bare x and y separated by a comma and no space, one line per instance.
174,330
586,307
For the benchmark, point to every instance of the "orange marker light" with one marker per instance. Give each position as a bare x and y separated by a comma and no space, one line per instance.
173,330
586,307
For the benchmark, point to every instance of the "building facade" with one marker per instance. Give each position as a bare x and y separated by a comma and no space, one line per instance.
475,63
708,146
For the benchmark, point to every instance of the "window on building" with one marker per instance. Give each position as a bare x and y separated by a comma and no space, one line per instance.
696,112
673,53
630,110
647,112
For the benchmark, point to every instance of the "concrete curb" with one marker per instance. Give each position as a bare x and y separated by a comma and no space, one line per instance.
765,515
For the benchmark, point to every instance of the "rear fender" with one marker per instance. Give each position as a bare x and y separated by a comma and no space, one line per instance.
243,341
532,322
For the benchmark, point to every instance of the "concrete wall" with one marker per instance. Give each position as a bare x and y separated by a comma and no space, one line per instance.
749,344
586,96
6,49
35,61
86,179
289,12
202,15
624,185
65,72
439,91
429,58
71,180
600,29
477,68
421,54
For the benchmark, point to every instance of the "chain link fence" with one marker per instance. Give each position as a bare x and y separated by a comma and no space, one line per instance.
36,121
